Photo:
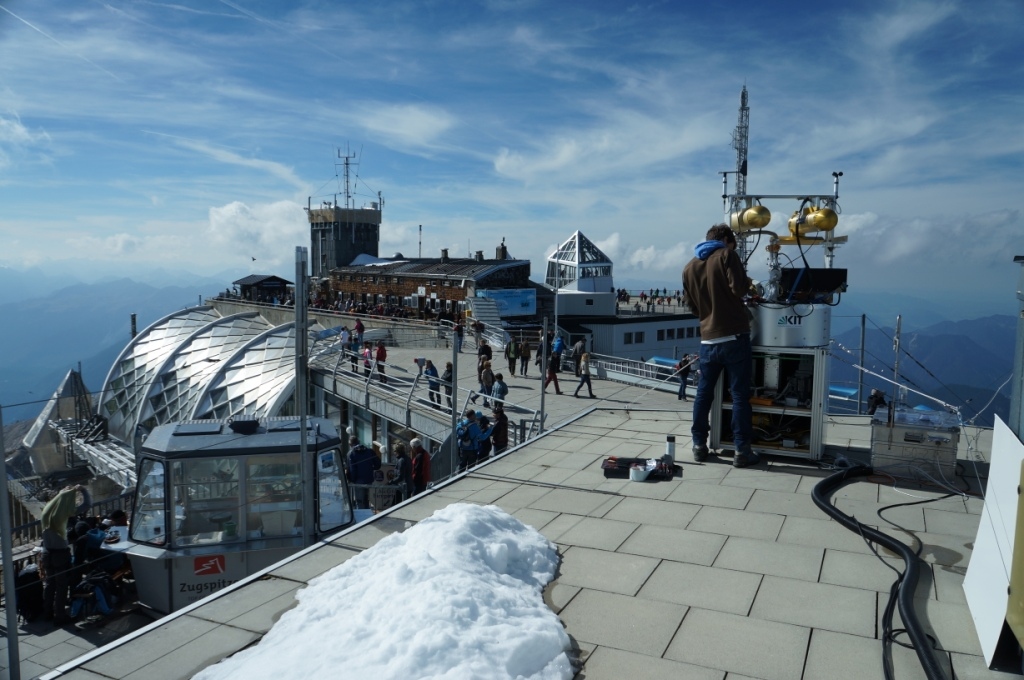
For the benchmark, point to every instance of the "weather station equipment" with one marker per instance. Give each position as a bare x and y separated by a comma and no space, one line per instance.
791,310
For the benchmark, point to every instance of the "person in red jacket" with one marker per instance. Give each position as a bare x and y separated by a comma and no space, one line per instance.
381,357
420,466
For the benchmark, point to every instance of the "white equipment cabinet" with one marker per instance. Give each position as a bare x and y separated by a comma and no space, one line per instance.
789,386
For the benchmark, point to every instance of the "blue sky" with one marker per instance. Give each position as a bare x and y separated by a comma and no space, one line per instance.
190,135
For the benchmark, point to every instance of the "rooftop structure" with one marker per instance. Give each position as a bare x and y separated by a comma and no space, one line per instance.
580,265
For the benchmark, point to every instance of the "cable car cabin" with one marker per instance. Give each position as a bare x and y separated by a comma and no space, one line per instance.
217,501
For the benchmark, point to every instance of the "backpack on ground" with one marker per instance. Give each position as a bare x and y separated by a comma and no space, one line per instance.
29,596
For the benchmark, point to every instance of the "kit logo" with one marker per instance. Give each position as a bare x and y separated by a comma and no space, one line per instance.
791,320
209,565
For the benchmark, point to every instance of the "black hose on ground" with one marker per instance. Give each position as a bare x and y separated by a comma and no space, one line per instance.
821,494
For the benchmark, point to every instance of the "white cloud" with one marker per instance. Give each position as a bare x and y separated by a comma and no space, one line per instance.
409,127
268,232
658,259
14,137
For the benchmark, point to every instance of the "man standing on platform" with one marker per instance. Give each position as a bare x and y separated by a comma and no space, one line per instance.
715,284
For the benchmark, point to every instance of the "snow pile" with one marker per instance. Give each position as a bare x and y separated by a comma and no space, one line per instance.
457,596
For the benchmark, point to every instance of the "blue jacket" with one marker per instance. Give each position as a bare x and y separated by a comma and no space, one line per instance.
475,433
431,374
362,461
557,346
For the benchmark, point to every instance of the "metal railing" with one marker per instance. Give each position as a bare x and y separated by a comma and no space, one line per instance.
26,536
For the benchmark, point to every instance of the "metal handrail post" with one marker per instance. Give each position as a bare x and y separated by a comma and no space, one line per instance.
10,578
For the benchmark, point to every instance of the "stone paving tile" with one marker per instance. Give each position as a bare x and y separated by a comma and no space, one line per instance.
592,477
602,534
715,495
943,549
856,570
769,557
606,571
262,618
367,536
196,655
610,620
632,449
949,623
168,638
552,475
722,590
840,656
576,502
606,663
949,522
551,458
737,644
784,503
423,507
521,497
656,490
559,525
820,533
558,595
315,562
949,583
861,489
970,667
759,478
712,469
75,674
534,518
653,512
50,657
679,545
818,605
737,523
243,600
911,518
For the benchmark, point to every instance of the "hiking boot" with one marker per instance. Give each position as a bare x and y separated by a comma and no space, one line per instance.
745,458
700,452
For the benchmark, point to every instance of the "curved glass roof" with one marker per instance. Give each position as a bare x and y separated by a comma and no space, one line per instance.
197,364
135,369
258,380
173,395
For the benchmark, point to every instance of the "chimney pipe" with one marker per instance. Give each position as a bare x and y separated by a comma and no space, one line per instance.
479,256
444,256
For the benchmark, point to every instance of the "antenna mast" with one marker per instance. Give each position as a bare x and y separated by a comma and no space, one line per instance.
739,142
346,159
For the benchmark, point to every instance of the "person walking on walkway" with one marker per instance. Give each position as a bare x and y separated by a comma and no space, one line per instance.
433,385
524,357
511,353
683,371
552,377
446,378
381,358
584,376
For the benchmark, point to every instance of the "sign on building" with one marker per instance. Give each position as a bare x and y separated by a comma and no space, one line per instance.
512,301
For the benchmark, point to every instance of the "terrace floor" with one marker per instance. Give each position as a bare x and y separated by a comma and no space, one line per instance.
717,573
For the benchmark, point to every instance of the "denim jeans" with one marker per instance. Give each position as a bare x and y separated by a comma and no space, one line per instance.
735,358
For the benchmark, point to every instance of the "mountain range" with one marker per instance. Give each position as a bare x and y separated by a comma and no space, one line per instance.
50,330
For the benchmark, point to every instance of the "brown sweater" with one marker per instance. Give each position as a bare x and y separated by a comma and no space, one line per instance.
714,291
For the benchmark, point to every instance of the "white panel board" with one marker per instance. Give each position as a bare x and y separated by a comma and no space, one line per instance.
988,574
